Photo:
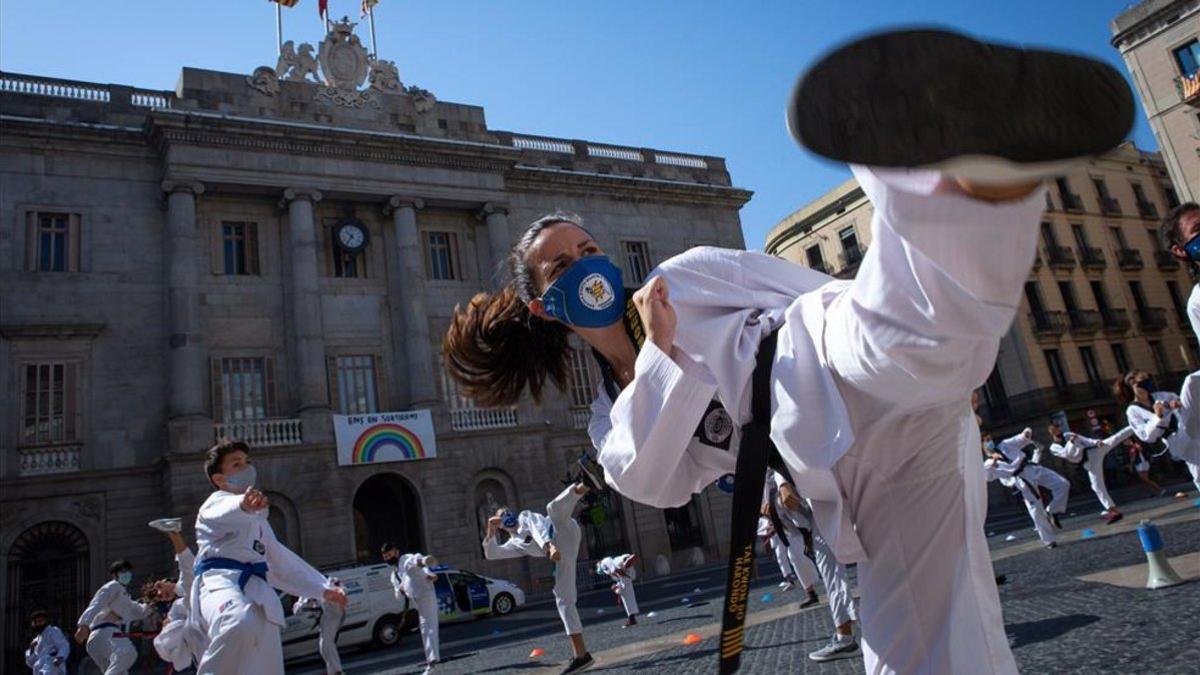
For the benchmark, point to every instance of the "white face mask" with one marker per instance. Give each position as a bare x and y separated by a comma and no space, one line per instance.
243,480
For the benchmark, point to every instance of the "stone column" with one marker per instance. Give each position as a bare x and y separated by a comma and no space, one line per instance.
307,322
189,427
499,240
406,301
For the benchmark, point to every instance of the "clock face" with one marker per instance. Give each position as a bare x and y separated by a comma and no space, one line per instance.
352,237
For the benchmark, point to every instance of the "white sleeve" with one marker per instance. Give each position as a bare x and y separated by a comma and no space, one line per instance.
289,572
225,510
98,604
171,645
187,570
1193,310
1012,446
397,585
505,551
1147,426
922,320
59,647
126,608
1059,450
643,446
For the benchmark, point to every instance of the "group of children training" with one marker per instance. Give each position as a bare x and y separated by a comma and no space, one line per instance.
871,440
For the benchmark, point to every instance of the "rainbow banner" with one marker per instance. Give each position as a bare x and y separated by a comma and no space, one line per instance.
384,437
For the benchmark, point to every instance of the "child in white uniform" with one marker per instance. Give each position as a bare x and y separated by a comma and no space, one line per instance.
239,565
177,642
794,565
622,572
412,580
47,654
1164,417
1090,454
557,536
1016,451
328,617
995,467
106,619
870,379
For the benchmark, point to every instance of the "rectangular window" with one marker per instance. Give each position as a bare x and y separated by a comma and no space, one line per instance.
1118,352
1034,296
1139,194
441,260
355,390
1057,373
1179,303
637,260
1080,236
243,389
50,403
1139,298
583,378
1118,236
1101,188
1100,295
52,242
815,260
239,249
1090,367
1161,364
1154,242
684,529
1068,295
1187,57
1048,235
1171,195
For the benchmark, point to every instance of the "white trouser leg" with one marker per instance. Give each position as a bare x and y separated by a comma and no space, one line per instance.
567,537
1059,487
428,611
113,655
804,568
240,638
1095,471
1037,513
781,557
837,583
628,599
332,617
1194,469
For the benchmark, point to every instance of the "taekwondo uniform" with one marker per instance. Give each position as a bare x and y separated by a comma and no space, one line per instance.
1060,488
534,531
622,578
48,653
1090,453
108,616
328,618
1177,428
410,579
234,605
793,564
1193,309
870,383
1005,472
177,642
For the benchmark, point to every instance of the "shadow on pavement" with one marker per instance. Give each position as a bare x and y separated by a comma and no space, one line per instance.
1033,632
517,666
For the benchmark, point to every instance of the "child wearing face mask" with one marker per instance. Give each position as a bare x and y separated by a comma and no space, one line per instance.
47,653
1163,417
103,624
177,642
239,564
412,581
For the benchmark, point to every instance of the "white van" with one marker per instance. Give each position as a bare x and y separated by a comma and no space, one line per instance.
373,614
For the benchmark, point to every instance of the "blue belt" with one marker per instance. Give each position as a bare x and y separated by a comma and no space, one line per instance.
247,569
551,531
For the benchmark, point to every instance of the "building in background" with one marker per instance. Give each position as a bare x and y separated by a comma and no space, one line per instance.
1102,297
1160,43
246,256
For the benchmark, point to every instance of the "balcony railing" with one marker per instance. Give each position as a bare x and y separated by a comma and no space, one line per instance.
268,433
1148,210
48,459
580,418
1060,256
1129,258
1110,206
1048,324
1189,88
1166,260
478,419
1152,318
1084,321
1115,320
1093,258
1071,201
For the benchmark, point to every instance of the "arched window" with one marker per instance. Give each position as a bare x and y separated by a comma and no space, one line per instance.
386,508
47,569
490,494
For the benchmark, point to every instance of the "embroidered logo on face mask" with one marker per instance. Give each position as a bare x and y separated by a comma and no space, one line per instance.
716,427
259,548
596,293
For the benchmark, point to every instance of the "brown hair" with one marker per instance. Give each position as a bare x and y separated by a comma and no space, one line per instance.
1123,387
1171,234
495,347
217,453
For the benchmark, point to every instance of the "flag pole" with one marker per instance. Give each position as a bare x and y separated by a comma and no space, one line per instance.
371,14
279,29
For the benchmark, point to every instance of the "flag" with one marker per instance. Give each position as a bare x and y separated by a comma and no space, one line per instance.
367,5
285,3
322,8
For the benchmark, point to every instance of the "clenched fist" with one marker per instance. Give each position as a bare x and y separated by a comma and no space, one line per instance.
658,317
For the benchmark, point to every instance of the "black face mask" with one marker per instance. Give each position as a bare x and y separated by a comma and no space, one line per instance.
394,562
163,606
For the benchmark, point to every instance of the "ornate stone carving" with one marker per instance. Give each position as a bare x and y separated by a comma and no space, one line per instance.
385,77
264,81
296,67
423,99
347,98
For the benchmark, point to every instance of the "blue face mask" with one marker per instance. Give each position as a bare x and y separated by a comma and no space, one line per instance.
242,480
589,294
990,445
1192,248
125,578
508,520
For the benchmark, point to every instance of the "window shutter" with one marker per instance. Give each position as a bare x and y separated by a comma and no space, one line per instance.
252,249
31,241
73,242
218,406
217,251
334,393
269,370
71,401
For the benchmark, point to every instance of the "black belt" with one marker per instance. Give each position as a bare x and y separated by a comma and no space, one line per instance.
755,454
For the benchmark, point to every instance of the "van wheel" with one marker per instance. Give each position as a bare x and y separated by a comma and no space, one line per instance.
503,604
387,631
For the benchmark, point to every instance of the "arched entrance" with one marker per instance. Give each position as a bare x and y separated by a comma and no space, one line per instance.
47,569
386,508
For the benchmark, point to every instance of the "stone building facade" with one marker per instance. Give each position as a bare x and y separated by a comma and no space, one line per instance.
170,273
1159,40
1102,296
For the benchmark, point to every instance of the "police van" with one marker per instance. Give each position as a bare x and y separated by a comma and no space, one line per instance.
462,595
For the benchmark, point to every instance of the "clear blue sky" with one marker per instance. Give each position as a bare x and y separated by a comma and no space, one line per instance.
691,76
